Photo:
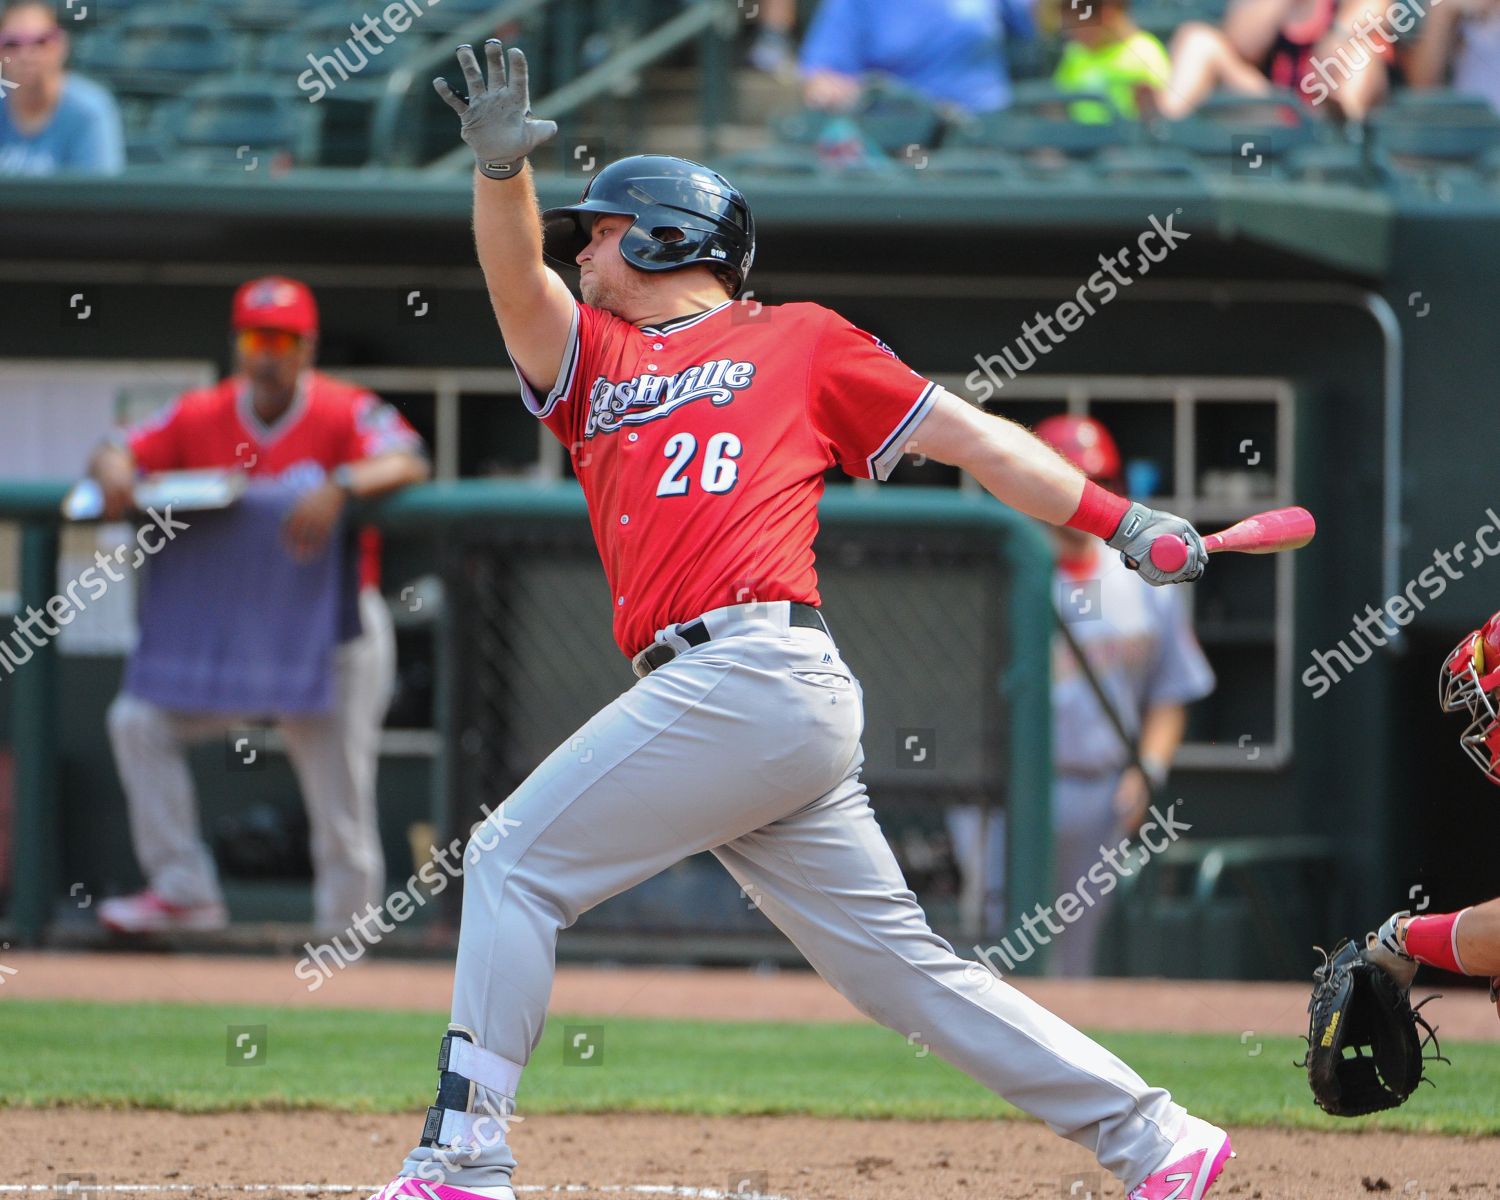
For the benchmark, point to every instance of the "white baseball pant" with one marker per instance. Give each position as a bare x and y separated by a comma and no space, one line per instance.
334,755
749,746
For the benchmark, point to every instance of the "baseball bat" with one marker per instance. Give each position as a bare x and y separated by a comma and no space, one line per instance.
1264,533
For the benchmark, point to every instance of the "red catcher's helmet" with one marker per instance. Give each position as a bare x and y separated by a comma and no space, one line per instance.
1469,681
275,302
1086,444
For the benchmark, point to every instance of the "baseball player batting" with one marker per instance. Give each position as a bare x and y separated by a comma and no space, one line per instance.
701,443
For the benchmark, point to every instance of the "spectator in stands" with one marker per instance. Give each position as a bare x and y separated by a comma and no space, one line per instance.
1459,46
1141,649
1318,48
1107,52
266,616
951,51
773,51
51,119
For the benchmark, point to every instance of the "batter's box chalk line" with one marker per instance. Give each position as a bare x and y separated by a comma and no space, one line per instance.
90,1190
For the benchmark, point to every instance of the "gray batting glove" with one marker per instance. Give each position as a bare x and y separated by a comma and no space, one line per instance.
1140,527
496,119
1387,950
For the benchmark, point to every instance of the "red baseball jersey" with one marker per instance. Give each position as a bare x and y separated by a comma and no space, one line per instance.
329,422
701,446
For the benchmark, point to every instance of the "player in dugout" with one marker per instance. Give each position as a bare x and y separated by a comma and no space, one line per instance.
271,620
701,431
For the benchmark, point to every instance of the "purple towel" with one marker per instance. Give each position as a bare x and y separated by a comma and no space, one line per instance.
231,623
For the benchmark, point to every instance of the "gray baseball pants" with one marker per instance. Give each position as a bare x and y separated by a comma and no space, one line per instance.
749,746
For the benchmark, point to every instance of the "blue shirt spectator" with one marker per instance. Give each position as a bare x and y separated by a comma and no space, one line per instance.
51,120
952,51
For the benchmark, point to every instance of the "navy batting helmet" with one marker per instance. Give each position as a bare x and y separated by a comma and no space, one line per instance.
681,214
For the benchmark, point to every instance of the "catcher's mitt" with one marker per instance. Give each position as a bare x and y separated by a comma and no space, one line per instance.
1355,1004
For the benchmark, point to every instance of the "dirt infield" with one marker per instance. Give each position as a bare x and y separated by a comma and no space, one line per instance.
591,1158
155,1154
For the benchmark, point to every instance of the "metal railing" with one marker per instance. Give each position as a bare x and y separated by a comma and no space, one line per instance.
711,20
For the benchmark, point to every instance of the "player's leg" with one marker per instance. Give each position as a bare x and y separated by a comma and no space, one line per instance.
979,851
150,749
718,742
826,876
335,757
1083,820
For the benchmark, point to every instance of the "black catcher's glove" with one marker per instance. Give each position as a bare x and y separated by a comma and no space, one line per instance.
1356,1005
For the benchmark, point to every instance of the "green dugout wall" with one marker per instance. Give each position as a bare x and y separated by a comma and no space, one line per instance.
1376,312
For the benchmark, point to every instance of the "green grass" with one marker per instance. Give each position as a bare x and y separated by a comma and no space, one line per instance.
177,1057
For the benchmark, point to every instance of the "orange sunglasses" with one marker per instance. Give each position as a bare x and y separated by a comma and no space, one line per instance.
266,341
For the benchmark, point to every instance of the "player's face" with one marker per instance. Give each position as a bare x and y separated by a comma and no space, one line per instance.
606,280
272,358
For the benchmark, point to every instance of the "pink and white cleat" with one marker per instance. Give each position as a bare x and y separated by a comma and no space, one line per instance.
1191,1166
406,1187
146,912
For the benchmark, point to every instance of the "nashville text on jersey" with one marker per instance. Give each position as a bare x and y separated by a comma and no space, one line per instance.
647,397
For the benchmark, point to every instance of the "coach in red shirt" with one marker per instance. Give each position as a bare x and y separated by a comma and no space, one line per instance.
276,418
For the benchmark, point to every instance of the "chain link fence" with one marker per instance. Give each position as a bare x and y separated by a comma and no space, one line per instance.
923,615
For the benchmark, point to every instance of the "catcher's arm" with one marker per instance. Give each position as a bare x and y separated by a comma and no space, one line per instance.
1467,942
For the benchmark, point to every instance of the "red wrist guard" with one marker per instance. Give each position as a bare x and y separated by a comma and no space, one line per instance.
1434,940
1099,512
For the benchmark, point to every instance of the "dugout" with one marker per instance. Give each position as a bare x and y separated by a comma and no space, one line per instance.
1337,336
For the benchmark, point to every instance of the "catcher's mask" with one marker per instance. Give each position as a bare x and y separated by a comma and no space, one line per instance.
681,214
1469,681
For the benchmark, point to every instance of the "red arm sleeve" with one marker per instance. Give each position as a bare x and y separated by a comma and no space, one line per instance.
156,443
863,399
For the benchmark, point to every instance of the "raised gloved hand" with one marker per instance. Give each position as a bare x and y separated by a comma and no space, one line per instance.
496,119
1140,527
1386,948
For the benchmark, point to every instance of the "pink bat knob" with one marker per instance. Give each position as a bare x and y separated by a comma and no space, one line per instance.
1169,553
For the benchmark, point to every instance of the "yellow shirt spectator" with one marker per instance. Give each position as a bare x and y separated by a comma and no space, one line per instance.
1116,69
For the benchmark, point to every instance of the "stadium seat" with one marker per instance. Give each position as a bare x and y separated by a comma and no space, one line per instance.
775,161
241,123
452,13
1038,122
961,164
1336,163
157,51
1146,164
1415,136
890,118
325,35
1443,101
257,14
1162,17
1226,124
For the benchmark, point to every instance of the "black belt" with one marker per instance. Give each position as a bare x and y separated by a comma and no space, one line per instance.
695,633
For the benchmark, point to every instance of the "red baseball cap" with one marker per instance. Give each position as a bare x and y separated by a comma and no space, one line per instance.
1085,443
275,302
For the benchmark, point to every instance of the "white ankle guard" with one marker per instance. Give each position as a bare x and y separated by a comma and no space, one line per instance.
463,1066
